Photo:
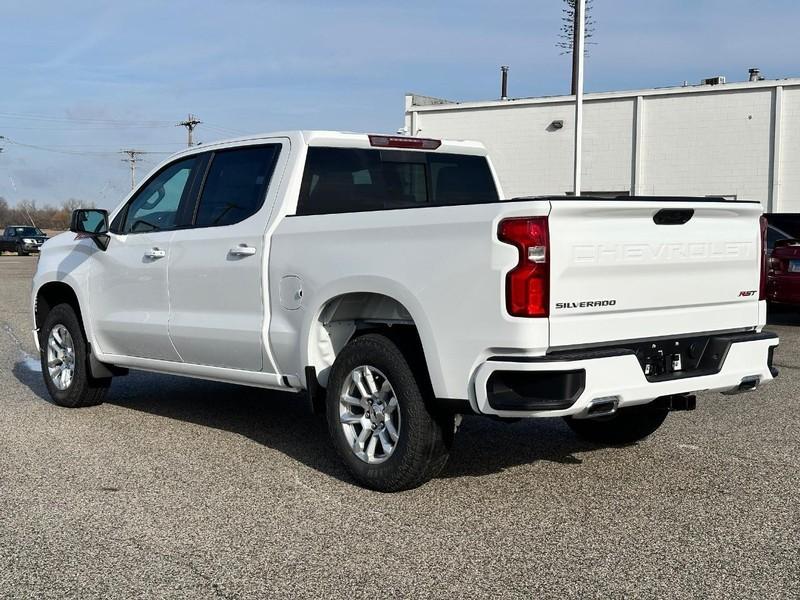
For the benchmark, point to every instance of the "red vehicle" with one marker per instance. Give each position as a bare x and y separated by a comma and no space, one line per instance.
783,260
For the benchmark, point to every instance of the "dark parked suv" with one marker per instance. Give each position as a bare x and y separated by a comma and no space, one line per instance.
22,239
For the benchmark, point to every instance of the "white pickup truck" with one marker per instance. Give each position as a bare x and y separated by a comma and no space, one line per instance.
385,279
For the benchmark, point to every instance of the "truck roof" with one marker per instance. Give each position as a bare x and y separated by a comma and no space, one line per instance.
341,139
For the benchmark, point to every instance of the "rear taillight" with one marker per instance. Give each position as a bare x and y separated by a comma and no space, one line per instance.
527,284
762,287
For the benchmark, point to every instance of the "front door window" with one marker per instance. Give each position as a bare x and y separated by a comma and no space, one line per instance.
155,206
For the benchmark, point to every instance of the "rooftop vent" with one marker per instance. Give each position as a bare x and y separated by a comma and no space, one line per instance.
718,80
755,74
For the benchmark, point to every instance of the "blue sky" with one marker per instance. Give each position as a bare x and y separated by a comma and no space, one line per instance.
90,78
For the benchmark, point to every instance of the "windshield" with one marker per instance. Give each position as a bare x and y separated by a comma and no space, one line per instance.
28,231
774,235
786,223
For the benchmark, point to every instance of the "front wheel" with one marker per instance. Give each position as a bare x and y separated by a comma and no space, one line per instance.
20,251
65,361
379,422
626,426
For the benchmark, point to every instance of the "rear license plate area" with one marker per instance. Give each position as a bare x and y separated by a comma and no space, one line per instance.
680,357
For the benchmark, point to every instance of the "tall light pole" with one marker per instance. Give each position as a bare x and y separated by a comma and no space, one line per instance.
577,71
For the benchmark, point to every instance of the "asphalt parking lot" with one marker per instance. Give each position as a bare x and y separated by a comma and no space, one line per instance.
188,489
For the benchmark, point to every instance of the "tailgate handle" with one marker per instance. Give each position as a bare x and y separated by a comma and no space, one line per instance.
673,216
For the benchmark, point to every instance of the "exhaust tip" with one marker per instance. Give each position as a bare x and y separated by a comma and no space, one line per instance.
601,407
748,384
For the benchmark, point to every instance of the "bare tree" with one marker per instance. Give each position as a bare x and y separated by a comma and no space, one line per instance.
73,204
4,211
567,32
567,35
46,217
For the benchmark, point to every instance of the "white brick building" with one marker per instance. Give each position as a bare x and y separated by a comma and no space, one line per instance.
740,140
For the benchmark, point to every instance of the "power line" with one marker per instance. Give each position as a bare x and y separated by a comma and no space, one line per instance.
88,127
221,129
190,124
88,120
152,145
67,149
58,150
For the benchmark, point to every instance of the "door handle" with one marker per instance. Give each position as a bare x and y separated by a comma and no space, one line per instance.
155,253
242,250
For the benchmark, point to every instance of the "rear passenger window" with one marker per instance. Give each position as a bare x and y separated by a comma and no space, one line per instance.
339,180
236,185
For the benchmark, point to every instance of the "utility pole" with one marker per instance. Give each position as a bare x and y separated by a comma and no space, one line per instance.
190,124
132,159
577,70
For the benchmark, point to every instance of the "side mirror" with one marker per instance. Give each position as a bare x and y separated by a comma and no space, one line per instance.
93,223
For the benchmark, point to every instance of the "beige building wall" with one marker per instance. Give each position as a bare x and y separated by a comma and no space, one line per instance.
739,140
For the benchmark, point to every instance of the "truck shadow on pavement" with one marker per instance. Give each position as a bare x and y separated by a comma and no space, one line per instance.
283,421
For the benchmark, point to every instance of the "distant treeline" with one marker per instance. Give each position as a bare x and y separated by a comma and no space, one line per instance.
44,217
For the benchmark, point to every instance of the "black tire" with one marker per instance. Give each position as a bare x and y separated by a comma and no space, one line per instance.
84,390
424,438
626,426
20,251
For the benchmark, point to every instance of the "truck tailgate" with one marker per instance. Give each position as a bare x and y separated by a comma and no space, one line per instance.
638,269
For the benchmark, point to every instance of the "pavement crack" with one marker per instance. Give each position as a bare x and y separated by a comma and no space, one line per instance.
218,591
13,336
187,563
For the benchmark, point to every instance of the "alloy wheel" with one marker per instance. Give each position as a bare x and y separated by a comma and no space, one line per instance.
60,357
369,414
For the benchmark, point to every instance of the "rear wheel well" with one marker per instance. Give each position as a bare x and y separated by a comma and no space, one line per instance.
352,315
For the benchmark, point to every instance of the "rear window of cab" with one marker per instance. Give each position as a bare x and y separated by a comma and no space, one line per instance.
342,180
